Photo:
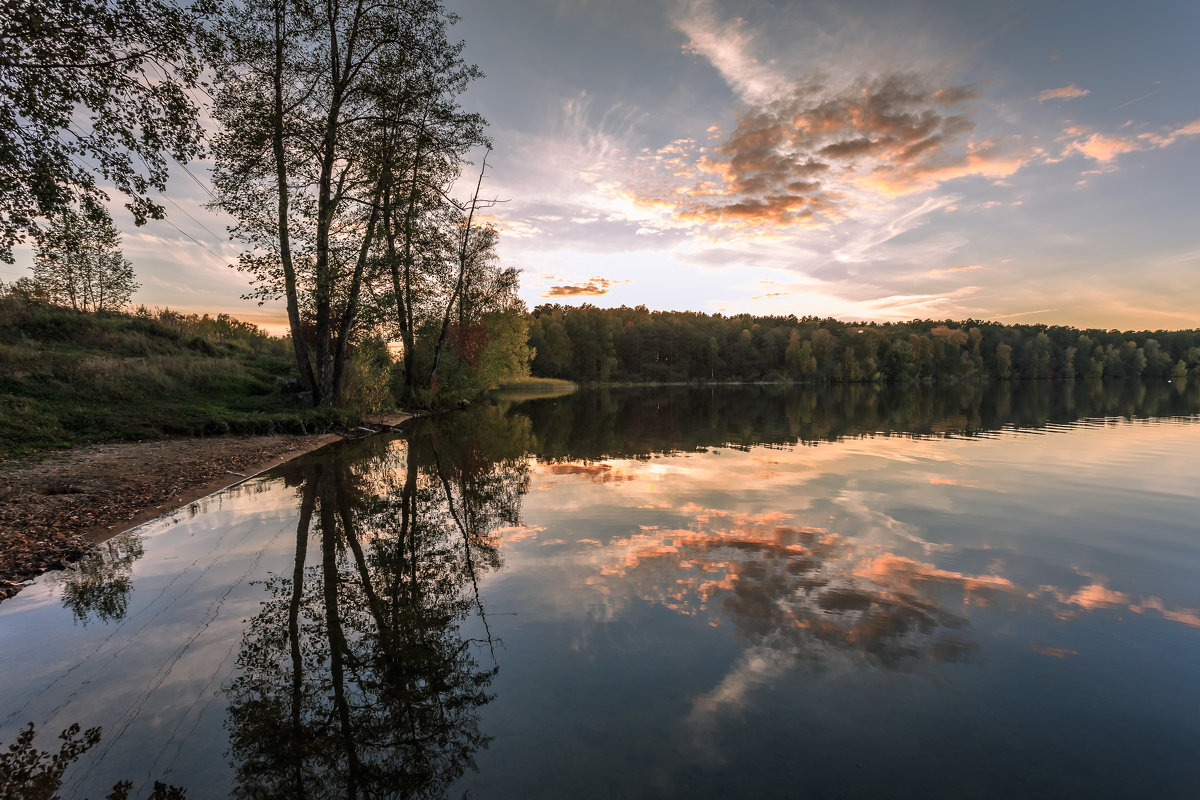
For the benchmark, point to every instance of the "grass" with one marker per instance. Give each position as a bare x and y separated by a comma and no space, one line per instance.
533,388
70,378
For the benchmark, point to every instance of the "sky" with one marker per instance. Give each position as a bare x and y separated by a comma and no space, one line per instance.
1010,161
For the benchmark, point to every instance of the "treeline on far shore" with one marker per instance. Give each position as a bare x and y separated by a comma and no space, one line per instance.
586,343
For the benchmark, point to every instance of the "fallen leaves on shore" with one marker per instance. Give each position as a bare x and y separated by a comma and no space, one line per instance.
53,511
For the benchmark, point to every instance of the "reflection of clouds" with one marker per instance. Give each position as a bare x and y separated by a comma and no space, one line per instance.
1092,597
906,574
596,473
802,589
516,533
757,666
1096,596
1053,652
954,482
809,595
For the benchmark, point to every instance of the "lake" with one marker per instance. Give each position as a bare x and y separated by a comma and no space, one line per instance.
692,592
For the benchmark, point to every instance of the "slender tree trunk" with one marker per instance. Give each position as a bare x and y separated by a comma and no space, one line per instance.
402,281
285,242
297,748
338,647
462,268
346,324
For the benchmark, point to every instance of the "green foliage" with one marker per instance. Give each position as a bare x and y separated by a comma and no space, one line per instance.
341,138
367,388
79,263
101,80
590,344
69,377
506,356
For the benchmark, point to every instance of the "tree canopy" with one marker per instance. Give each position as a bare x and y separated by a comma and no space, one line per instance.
92,89
586,343
341,139
79,263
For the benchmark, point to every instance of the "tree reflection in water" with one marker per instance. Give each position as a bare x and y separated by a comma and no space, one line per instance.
99,585
355,679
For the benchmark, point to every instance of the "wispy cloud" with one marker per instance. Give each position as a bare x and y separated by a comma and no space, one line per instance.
948,270
729,47
1024,313
1069,92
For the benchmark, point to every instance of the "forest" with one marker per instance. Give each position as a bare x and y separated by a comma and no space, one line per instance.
590,344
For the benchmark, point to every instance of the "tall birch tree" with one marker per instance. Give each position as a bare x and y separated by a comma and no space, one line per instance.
331,114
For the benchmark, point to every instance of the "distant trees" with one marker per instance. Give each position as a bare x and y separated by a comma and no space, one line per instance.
586,343
79,262
92,88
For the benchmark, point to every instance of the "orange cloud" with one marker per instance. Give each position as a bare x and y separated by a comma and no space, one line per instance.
1105,149
1069,92
796,159
596,473
594,287
955,269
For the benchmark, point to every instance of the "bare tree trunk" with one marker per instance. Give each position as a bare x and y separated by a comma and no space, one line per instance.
306,509
402,280
350,313
462,268
285,246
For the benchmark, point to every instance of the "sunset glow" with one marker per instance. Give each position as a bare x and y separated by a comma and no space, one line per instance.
873,161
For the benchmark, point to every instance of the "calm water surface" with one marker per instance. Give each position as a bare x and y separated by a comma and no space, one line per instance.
701,593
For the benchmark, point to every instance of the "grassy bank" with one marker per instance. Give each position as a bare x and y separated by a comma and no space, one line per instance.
71,378
533,388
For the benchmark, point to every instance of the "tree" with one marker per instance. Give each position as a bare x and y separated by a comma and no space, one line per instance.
330,143
129,65
355,678
79,263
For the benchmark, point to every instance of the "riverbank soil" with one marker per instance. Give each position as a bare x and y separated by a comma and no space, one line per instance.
53,509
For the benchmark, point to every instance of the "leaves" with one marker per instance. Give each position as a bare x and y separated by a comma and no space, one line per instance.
90,89
79,262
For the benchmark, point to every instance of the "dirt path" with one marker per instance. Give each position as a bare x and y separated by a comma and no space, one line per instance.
54,509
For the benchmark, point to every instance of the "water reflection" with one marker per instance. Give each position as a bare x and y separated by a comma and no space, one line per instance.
623,423
98,587
355,678
803,591
811,593
720,612
29,773
693,605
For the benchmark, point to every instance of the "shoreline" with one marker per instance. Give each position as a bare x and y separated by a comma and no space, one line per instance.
54,510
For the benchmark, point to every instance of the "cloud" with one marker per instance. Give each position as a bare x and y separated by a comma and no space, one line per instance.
727,46
812,154
596,473
948,270
594,287
1105,149
1069,92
